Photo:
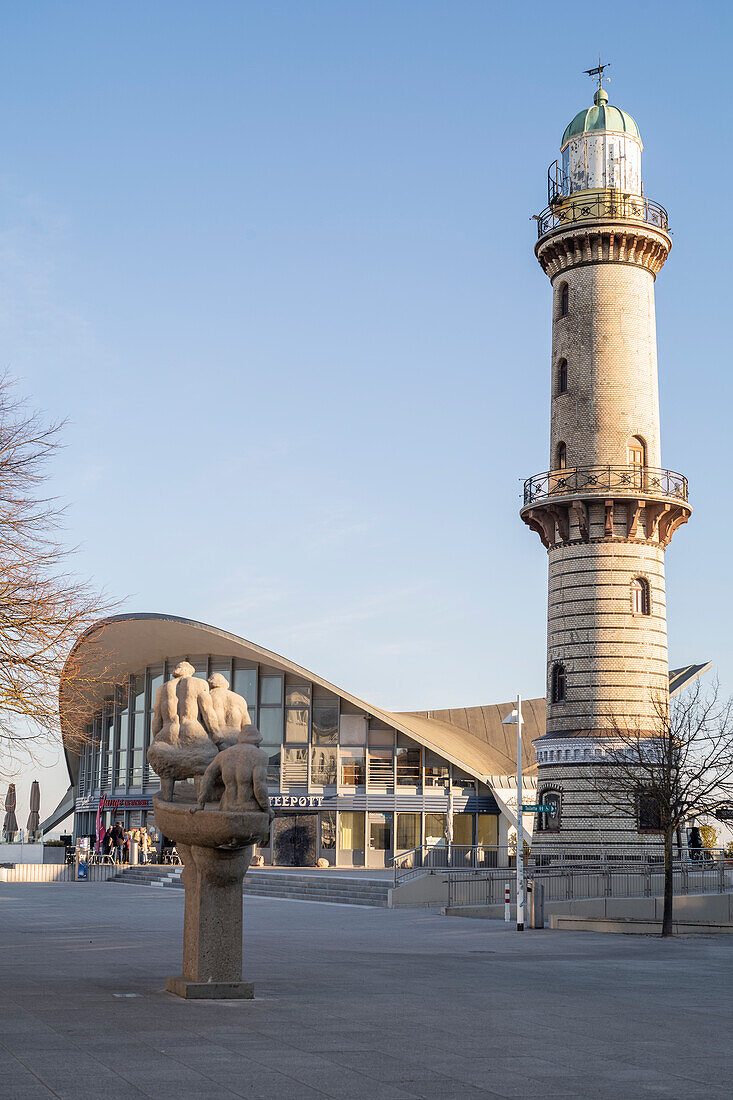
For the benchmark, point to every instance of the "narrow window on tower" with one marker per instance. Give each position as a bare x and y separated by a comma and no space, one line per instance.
557,683
648,812
640,601
636,451
549,820
562,376
564,300
562,457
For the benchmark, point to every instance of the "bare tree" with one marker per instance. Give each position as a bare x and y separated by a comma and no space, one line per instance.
43,608
666,775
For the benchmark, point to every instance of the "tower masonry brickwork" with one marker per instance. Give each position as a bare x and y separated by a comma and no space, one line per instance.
605,509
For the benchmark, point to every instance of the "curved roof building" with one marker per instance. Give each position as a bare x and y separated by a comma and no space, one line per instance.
350,782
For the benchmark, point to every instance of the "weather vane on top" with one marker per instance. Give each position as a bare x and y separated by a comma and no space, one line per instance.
598,71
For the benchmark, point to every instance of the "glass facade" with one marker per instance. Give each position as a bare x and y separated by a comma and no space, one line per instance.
320,748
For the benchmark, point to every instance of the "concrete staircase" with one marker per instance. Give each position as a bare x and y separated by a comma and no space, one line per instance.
296,885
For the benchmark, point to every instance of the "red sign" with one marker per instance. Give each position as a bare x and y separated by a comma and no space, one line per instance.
115,804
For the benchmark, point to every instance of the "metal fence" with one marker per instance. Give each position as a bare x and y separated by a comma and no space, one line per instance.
462,859
602,881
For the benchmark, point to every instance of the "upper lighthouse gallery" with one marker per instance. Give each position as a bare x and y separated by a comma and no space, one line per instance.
606,508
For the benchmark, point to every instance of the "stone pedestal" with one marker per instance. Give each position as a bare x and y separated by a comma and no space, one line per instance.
216,849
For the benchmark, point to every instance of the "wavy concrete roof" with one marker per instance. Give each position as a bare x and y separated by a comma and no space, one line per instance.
472,738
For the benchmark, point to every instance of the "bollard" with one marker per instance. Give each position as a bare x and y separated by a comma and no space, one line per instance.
537,906
507,901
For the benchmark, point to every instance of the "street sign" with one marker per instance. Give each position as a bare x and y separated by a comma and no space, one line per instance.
539,808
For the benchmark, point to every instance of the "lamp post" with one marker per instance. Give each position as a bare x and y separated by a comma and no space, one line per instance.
515,718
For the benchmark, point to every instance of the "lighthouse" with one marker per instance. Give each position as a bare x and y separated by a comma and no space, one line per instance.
606,508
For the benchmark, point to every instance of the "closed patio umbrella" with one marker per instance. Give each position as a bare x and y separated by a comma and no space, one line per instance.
10,825
34,817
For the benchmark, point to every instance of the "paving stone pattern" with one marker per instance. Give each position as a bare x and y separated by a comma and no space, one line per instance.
351,1003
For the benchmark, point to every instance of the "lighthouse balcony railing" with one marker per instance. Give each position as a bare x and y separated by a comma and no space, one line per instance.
645,481
605,205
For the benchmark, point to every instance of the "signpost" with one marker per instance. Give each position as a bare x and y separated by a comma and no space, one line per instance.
515,718
539,808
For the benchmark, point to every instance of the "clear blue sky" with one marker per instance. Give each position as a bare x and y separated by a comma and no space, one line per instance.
275,262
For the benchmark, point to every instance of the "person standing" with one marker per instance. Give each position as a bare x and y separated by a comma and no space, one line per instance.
144,844
118,840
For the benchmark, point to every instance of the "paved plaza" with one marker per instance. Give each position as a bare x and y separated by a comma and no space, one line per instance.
351,1003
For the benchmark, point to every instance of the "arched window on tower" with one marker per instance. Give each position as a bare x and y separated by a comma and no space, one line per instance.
640,596
636,457
564,303
557,683
561,457
562,376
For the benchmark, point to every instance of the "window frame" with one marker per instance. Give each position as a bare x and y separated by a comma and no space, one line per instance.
640,592
558,679
562,377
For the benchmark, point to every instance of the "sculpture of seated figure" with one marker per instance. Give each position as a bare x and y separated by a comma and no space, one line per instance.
230,709
182,747
242,769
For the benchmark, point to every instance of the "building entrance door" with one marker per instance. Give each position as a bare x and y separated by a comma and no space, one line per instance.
379,851
294,839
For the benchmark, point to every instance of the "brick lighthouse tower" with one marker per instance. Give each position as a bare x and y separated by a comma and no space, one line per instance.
606,509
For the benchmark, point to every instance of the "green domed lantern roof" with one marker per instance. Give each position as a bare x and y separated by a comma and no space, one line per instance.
601,117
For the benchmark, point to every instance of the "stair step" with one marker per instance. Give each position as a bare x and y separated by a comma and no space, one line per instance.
340,890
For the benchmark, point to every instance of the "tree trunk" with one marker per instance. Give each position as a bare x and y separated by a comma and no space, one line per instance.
668,883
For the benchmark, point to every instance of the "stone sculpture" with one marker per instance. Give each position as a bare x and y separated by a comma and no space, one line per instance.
242,769
183,719
230,711
202,730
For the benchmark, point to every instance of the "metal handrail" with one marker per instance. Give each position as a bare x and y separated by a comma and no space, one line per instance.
482,859
602,879
627,480
607,205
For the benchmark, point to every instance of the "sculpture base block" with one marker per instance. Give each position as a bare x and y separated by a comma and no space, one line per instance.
210,991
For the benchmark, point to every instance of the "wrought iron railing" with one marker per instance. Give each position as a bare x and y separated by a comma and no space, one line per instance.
609,205
627,480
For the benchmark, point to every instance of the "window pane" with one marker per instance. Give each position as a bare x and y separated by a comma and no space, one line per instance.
351,831
271,725
271,689
325,723
487,829
434,829
139,690
323,766
353,729
408,767
244,682
463,829
381,773
380,736
138,734
328,829
296,724
380,832
408,831
436,770
295,767
352,767
297,693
